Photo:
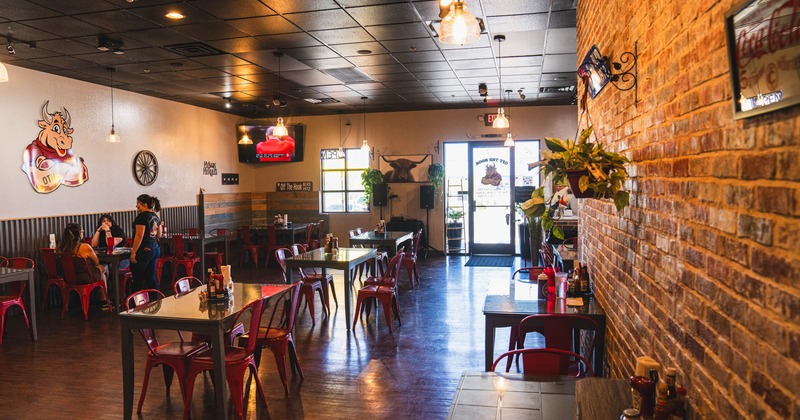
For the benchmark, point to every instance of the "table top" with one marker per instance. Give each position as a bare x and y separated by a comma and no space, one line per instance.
389,235
525,397
188,307
192,237
510,297
9,271
601,398
295,227
341,260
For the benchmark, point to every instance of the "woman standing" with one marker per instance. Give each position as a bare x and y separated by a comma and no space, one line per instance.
71,244
145,251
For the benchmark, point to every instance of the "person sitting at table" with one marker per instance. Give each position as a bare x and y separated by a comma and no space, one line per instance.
145,250
71,244
107,227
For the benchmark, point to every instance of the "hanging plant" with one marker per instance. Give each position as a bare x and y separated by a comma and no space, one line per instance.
436,176
369,178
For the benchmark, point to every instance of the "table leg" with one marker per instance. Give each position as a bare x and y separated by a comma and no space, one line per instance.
220,385
346,294
599,350
127,370
489,349
113,287
32,305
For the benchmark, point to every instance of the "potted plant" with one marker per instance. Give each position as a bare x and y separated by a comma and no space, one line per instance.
436,176
591,170
369,179
455,228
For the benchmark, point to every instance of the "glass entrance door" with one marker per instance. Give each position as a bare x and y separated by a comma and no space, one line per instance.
491,177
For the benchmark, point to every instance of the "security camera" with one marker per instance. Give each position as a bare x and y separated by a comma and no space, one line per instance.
276,100
10,48
482,89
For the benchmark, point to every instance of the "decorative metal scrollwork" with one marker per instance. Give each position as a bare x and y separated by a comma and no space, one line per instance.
624,72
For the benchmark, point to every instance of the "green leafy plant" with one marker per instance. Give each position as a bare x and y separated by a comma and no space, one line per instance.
605,175
436,176
454,215
369,178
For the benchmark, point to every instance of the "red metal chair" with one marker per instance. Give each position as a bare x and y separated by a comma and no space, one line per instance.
327,280
272,243
277,336
560,331
307,285
358,271
237,361
186,284
318,231
310,242
249,247
15,298
78,278
548,362
410,261
173,356
385,268
51,271
384,291
187,260
216,255
3,262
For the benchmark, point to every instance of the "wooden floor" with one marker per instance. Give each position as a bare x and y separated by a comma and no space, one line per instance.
73,371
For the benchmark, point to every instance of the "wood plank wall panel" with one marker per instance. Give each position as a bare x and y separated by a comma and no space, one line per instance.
22,237
301,206
229,211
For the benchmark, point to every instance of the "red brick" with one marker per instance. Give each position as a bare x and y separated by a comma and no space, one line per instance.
784,303
756,228
773,266
751,288
758,166
780,200
788,165
774,397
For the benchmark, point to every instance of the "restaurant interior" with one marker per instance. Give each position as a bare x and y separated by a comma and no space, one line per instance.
686,246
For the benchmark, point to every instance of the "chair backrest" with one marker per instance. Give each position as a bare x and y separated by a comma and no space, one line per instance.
548,362
50,264
140,298
20,262
359,231
287,311
309,232
247,235
218,232
186,284
272,236
298,249
3,262
257,310
558,329
318,233
191,231
75,268
280,255
393,270
177,246
415,243
533,272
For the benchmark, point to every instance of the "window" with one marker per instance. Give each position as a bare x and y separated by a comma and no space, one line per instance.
342,191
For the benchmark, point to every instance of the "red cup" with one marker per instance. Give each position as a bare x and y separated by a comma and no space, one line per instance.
110,244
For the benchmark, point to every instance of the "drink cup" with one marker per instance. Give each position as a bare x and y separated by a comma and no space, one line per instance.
110,244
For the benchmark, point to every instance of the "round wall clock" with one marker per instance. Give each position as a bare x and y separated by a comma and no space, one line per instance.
145,167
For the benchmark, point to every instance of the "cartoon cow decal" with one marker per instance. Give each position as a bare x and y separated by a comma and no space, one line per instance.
492,177
48,161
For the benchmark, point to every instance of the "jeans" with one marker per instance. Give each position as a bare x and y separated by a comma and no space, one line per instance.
144,270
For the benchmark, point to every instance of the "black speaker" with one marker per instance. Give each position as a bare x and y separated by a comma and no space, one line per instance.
379,194
426,196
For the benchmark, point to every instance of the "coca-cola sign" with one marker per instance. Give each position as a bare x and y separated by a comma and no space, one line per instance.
764,54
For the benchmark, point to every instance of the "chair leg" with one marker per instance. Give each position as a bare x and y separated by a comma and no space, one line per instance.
279,351
512,344
85,304
396,309
325,305
294,362
416,273
2,327
357,314
146,379
333,292
387,312
410,275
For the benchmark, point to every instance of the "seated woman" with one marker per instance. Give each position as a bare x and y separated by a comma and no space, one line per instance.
71,244
107,227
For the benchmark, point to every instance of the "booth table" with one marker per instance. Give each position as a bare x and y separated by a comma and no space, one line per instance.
346,259
186,313
8,275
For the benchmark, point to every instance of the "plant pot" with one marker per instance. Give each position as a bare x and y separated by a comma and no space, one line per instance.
455,236
574,179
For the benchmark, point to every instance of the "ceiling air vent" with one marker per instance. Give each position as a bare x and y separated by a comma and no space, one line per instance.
193,49
321,100
557,89
348,75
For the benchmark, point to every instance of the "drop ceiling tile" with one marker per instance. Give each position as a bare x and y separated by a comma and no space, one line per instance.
564,4
516,71
293,40
419,56
343,36
105,59
560,63
328,63
351,50
264,25
372,60
398,31
529,61
469,54
564,19
517,23
479,72
223,60
310,53
65,46
27,33
310,77
117,21
330,89
268,60
233,9
384,14
158,36
522,43
383,69
157,14
36,66
393,77
505,7
292,6
263,79
210,31
439,78
244,70
428,67
321,20
411,45
64,62
472,64
482,42
22,11
206,73
65,26
404,84
239,45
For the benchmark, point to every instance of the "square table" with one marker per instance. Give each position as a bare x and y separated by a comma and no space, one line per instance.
199,242
283,231
509,301
113,261
390,240
524,397
346,259
185,312
8,275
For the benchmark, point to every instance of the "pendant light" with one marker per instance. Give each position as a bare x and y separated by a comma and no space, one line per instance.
340,152
245,138
500,121
113,137
280,130
364,144
3,73
509,138
459,27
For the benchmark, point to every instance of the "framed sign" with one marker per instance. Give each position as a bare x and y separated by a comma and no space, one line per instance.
595,70
763,49
293,186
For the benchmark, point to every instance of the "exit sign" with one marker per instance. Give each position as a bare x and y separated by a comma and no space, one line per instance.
488,119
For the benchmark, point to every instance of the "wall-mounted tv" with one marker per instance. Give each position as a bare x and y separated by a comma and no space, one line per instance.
268,148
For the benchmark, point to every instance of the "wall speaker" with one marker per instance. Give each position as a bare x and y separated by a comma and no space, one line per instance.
426,196
380,194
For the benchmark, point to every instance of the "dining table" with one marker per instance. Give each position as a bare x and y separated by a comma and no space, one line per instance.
8,275
508,301
390,240
186,312
284,232
345,259
112,260
199,244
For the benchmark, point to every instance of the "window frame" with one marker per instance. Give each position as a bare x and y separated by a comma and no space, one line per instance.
348,189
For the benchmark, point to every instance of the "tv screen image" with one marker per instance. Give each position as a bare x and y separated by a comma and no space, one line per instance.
269,148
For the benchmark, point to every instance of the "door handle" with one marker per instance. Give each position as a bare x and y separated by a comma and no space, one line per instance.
508,217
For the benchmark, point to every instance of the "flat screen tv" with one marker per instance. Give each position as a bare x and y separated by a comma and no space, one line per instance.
268,148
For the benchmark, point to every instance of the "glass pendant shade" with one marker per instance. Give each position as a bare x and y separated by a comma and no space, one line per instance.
245,139
365,145
340,153
280,129
112,136
501,121
509,140
459,27
3,73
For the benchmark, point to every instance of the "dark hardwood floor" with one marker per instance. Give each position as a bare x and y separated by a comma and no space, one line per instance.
73,371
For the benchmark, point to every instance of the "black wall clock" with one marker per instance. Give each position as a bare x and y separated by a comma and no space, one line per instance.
145,168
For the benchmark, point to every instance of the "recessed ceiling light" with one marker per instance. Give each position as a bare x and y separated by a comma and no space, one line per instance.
175,15
364,52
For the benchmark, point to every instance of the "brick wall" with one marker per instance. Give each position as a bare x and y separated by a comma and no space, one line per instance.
702,270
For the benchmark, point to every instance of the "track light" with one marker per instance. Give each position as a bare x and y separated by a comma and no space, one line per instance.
10,48
521,95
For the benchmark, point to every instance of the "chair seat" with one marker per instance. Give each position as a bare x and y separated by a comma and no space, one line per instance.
180,349
232,355
4,299
272,333
377,289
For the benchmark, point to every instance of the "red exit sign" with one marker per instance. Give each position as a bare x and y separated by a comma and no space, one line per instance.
488,119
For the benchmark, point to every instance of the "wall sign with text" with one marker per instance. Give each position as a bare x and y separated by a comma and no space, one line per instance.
293,186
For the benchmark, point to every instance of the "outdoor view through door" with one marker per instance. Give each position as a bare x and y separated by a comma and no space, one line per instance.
482,180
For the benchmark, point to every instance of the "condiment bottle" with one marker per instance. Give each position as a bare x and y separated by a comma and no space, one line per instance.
677,409
541,285
642,394
671,373
583,280
630,414
212,284
551,282
661,412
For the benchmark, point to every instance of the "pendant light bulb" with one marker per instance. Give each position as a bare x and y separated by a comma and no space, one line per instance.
113,137
280,130
364,144
459,27
509,140
501,121
3,73
340,153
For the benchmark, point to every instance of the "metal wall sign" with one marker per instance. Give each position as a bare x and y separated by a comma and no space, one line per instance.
293,186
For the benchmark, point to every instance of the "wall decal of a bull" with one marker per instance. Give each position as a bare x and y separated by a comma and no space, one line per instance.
48,161
403,169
